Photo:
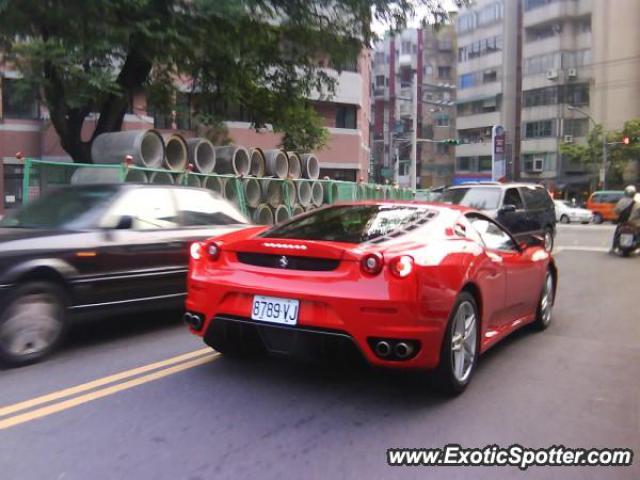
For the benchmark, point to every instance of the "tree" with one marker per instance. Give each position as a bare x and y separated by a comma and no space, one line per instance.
264,56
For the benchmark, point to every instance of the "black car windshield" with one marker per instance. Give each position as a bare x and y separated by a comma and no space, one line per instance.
353,223
60,207
482,198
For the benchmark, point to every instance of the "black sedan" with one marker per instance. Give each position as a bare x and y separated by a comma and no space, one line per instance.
89,250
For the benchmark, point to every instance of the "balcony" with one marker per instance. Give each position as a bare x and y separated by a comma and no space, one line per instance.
473,149
479,120
556,10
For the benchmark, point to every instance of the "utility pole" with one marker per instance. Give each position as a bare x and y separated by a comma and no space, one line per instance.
604,159
414,134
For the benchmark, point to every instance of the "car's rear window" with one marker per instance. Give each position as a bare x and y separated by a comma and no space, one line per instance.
482,198
607,197
354,223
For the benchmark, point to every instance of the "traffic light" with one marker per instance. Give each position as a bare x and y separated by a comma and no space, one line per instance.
626,140
451,141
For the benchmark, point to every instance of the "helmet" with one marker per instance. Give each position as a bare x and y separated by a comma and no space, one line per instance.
630,191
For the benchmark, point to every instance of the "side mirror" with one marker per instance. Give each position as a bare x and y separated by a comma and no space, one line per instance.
532,241
508,208
124,223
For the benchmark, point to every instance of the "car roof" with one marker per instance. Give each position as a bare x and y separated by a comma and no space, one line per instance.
496,184
408,203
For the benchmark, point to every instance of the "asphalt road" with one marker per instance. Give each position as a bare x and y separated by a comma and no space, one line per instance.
201,416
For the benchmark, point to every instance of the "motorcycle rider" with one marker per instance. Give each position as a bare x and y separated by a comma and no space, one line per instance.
628,210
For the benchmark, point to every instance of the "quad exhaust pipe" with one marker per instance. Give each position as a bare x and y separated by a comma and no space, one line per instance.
403,350
383,349
194,320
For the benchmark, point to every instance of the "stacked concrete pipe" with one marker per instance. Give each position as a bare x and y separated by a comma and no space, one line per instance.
304,192
215,184
257,162
263,215
310,166
202,154
276,163
289,192
86,175
272,192
295,165
230,190
190,180
233,160
297,209
145,147
330,193
252,192
281,214
317,193
161,178
176,155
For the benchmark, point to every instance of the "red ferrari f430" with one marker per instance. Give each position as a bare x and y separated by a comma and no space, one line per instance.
408,285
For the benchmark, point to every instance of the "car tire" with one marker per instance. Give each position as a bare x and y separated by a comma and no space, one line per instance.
33,323
548,239
545,304
459,357
565,219
597,218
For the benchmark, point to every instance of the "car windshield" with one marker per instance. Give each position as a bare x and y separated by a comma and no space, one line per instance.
353,223
481,198
60,207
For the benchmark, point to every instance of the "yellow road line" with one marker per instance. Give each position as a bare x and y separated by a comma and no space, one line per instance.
91,396
9,409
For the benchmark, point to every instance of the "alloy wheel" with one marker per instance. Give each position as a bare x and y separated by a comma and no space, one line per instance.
463,341
546,301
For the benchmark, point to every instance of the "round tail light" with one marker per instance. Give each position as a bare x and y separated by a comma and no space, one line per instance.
213,251
372,263
402,266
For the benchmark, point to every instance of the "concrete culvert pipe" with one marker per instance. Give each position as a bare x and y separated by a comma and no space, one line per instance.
215,184
233,159
317,193
257,162
310,166
289,192
297,210
272,192
88,175
330,192
175,152
304,192
276,163
161,178
295,165
281,213
263,215
230,191
252,192
145,147
202,154
190,180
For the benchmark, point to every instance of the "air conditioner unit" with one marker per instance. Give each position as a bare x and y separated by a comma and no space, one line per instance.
568,139
552,74
537,165
572,73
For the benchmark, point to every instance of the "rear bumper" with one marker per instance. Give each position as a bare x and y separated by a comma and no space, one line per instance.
355,321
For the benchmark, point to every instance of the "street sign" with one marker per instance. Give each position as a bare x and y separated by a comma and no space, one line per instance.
602,175
498,162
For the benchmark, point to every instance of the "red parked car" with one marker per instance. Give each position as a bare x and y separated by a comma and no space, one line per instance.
409,285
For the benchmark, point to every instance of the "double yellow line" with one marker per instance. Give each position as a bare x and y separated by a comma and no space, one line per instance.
12,415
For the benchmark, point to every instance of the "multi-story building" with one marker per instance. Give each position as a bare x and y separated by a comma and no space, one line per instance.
25,128
488,66
428,56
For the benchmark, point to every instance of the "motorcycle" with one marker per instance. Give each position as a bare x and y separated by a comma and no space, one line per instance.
629,239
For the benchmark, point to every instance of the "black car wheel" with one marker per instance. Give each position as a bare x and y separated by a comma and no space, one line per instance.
565,219
460,348
597,218
33,323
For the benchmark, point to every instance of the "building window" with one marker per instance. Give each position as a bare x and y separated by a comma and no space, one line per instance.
531,4
540,129
406,47
466,22
444,72
442,148
379,80
464,164
480,48
548,161
489,76
490,14
549,30
378,58
541,63
445,45
577,127
442,120
574,94
346,116
19,99
466,81
485,163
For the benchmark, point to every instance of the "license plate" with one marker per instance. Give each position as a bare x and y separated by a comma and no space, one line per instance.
626,240
275,310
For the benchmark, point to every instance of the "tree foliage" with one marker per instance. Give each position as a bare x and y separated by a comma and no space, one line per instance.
263,56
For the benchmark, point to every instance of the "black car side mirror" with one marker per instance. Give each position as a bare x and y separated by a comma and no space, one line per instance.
124,223
508,208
